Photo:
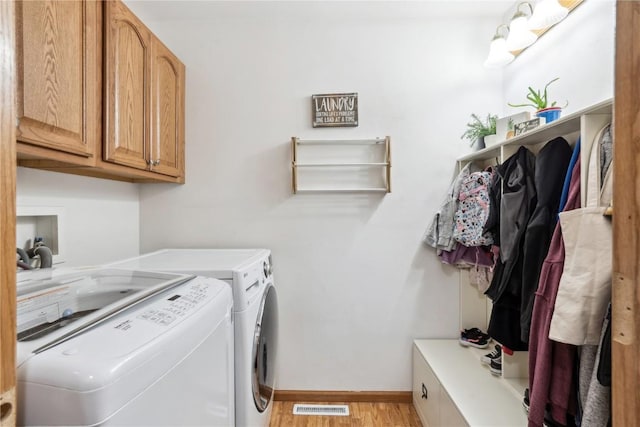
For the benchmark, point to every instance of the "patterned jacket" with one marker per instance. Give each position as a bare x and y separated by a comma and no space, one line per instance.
440,233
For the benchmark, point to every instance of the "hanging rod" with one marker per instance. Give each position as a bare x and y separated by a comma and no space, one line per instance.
295,164
341,141
344,190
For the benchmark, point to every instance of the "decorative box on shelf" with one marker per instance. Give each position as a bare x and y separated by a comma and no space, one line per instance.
526,126
505,126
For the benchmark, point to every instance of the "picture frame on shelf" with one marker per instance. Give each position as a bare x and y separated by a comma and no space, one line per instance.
505,125
528,125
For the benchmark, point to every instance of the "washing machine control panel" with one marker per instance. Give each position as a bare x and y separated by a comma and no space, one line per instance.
179,303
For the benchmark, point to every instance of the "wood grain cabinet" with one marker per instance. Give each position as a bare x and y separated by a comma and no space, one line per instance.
144,97
167,111
59,56
98,93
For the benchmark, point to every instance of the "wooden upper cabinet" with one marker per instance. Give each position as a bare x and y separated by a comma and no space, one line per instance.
127,106
144,97
97,97
167,111
59,57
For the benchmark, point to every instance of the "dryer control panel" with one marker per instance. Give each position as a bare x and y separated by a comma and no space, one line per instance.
250,281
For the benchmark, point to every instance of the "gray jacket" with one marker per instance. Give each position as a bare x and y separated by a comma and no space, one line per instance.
440,233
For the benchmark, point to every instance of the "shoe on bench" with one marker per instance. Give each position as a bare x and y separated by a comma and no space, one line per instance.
495,354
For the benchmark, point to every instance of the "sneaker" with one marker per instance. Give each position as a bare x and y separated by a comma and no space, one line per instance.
474,337
477,343
496,366
474,333
471,331
525,400
495,354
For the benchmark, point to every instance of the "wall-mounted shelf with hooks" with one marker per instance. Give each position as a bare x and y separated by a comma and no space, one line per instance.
350,166
433,359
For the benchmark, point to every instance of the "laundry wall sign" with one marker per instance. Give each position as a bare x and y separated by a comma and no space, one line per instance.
334,110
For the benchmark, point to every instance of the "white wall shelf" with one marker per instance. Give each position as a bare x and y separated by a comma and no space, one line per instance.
569,125
341,165
475,308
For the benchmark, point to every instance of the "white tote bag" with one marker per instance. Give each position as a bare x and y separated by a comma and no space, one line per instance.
585,285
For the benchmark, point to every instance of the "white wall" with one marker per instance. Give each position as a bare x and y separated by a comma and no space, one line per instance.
355,283
100,218
580,51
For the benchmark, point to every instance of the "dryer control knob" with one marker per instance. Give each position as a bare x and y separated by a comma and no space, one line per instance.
267,269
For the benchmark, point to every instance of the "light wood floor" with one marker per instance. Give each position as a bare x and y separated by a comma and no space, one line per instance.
361,414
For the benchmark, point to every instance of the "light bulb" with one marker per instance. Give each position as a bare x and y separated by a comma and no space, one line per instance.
499,55
546,14
519,34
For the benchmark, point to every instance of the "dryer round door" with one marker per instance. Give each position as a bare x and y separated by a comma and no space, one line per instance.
265,343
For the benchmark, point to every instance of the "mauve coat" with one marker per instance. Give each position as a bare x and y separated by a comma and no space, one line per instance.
551,364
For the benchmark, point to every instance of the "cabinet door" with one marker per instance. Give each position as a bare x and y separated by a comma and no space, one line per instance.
127,56
7,218
449,414
167,111
59,75
426,391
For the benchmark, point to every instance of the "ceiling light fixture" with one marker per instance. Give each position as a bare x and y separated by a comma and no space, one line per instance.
546,14
520,36
499,55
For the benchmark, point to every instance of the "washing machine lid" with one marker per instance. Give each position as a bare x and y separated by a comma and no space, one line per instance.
96,373
54,306
218,263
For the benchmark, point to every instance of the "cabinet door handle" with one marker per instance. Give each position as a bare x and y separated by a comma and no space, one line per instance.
155,162
425,393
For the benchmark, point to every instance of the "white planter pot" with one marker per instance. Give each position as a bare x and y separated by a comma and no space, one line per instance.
490,140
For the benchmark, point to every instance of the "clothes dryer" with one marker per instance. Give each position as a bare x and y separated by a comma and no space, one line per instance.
117,347
250,274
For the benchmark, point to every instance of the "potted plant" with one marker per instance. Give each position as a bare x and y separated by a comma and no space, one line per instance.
539,100
478,129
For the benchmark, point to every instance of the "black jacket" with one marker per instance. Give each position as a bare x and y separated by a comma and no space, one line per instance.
551,167
517,204
531,193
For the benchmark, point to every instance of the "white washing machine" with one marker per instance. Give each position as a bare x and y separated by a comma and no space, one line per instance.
250,274
124,348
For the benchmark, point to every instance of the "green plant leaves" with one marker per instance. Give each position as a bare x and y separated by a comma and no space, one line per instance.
478,128
537,99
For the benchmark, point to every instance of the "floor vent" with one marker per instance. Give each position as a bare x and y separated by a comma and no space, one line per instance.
335,410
